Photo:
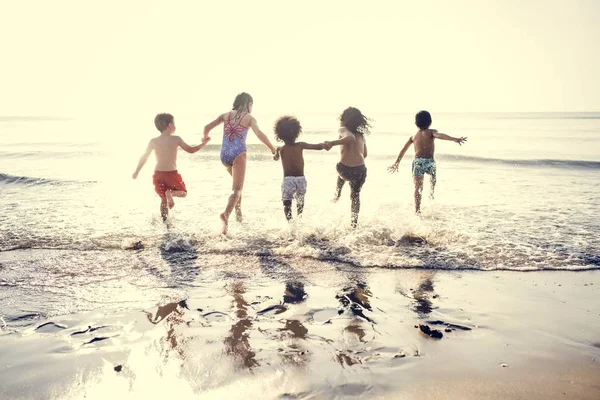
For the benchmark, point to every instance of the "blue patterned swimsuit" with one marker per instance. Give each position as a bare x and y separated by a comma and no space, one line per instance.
234,141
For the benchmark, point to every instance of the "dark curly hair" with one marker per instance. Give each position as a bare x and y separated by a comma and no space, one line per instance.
423,119
287,129
353,120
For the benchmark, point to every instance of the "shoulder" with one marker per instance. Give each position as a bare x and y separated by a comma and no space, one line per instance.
345,132
431,131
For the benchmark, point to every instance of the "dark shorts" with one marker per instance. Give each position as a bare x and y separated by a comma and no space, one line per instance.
356,176
167,180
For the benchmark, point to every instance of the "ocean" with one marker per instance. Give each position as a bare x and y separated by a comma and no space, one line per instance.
78,235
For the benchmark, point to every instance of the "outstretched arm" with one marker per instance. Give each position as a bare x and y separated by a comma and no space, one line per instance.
310,146
394,167
443,136
212,125
260,135
143,159
346,137
193,149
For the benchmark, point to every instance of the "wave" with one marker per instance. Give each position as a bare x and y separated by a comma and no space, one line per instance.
581,164
378,250
29,181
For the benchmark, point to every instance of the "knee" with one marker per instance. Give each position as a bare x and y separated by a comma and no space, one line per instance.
236,193
183,194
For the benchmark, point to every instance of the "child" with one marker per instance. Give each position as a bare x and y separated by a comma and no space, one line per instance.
236,124
423,163
287,130
167,182
353,128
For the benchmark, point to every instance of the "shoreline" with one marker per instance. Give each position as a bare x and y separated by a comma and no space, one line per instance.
321,330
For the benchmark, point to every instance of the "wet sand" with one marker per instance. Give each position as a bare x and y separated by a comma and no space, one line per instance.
278,328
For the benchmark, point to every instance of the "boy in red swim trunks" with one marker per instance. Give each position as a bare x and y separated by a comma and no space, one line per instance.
167,181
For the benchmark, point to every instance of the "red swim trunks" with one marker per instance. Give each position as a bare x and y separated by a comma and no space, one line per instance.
165,180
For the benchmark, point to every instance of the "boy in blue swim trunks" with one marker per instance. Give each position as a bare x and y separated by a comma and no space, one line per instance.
423,163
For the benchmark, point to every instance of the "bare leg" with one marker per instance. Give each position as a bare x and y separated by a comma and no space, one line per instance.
174,193
355,207
300,205
238,173
238,206
338,190
287,209
418,179
433,181
164,209
238,210
169,198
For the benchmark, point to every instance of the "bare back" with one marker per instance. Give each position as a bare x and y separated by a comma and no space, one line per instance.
233,117
165,148
292,159
353,152
424,143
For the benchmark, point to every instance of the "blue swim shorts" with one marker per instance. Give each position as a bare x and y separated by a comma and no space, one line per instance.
422,166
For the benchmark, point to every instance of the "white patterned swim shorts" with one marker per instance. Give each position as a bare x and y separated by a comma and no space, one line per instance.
292,187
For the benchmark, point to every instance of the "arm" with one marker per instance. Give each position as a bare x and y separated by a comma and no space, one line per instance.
277,154
365,151
143,159
310,146
443,136
347,137
394,167
261,136
213,125
193,149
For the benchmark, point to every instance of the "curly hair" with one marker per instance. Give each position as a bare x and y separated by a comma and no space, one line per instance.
423,119
287,129
162,121
353,120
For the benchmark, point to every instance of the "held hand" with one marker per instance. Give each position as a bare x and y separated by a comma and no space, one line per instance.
460,140
393,168
276,154
205,139
134,175
327,146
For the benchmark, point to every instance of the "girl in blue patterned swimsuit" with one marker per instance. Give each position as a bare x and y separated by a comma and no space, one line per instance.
233,151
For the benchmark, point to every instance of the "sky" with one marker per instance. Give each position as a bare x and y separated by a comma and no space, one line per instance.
139,57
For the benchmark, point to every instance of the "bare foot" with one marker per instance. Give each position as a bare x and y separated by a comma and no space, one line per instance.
170,201
225,224
335,199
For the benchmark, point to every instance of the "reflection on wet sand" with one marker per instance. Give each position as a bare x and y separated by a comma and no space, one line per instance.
237,344
422,293
172,313
355,297
293,329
